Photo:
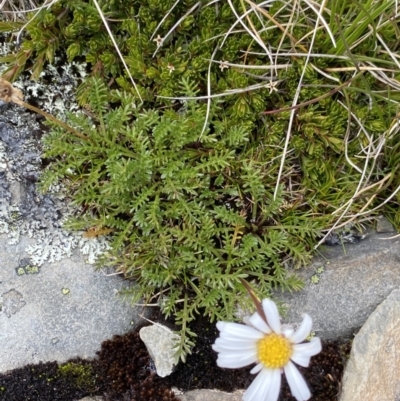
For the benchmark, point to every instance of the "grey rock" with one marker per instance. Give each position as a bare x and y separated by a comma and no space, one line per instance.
372,372
345,285
96,398
53,306
17,192
211,395
195,395
12,302
159,341
58,311
383,225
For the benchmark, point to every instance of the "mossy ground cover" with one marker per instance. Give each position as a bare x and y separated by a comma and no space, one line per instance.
123,372
49,382
220,141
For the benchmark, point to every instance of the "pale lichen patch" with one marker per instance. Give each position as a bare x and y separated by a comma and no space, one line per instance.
37,216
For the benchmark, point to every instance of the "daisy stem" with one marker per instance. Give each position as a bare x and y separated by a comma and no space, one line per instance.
254,298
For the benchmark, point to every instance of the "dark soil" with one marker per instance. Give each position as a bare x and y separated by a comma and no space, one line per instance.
43,382
123,371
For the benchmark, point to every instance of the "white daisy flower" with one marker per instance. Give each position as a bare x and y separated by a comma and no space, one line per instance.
273,348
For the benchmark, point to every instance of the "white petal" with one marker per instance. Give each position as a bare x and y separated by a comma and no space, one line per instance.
220,325
242,355
257,368
235,340
228,339
240,332
272,314
234,345
303,331
258,322
302,360
238,352
226,361
228,350
259,387
287,330
297,385
303,352
274,389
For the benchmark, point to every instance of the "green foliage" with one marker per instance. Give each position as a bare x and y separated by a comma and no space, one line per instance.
190,218
187,187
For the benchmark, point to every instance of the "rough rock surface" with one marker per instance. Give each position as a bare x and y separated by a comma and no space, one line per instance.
159,341
23,209
383,225
211,395
53,305
196,395
58,311
343,289
97,398
372,372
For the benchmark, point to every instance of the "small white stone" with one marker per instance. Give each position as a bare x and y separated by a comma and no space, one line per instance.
160,341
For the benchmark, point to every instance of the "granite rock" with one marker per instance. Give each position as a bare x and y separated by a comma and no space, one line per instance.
57,311
372,372
345,285
95,398
195,395
383,225
53,306
211,395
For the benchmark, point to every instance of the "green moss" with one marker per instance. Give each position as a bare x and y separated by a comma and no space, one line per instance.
80,374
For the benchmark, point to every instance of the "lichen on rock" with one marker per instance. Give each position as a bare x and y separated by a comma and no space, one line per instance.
24,211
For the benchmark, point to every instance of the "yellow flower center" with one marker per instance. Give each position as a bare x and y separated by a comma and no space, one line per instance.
274,351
